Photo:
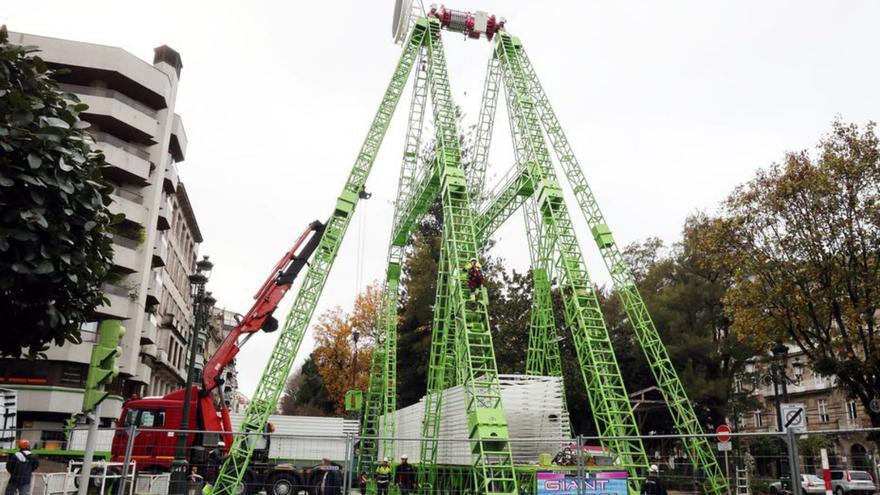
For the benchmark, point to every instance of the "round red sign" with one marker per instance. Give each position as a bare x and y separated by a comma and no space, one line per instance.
723,433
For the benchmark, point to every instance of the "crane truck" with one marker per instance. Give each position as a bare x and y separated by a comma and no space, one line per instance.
155,442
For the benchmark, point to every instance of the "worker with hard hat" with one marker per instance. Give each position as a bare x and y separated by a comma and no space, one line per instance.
653,485
383,477
405,476
21,466
474,277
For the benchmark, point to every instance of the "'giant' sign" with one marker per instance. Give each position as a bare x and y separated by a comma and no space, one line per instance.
603,483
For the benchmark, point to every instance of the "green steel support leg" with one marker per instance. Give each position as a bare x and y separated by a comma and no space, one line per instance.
490,448
265,398
541,320
382,392
609,401
658,358
483,137
543,355
438,380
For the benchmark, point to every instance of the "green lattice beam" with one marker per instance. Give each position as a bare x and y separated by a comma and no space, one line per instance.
274,378
668,382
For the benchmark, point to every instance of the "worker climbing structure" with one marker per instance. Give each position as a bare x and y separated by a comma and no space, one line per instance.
461,352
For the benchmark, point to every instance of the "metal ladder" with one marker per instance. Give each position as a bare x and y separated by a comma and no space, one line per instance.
742,482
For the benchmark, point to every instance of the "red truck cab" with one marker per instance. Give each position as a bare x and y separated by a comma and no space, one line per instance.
155,417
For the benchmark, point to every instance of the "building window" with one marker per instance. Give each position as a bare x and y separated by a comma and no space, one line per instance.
89,331
823,411
72,375
759,419
738,385
851,411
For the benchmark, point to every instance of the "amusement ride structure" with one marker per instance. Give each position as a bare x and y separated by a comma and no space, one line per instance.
461,351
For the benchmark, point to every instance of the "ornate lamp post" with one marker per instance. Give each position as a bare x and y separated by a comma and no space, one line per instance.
202,303
777,376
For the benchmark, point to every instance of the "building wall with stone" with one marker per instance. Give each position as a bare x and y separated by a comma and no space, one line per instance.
827,407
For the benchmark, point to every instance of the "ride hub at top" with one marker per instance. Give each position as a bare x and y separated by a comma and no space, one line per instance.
462,365
471,24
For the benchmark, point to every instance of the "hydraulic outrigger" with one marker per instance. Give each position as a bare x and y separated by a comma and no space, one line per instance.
461,345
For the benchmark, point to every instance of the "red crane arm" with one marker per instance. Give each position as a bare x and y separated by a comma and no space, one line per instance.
267,298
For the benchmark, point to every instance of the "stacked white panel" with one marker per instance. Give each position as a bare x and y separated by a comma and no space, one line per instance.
306,437
533,407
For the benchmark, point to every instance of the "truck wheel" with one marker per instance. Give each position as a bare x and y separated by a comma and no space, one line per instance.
839,491
247,486
283,484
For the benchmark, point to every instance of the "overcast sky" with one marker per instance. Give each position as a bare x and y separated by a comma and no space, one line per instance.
668,105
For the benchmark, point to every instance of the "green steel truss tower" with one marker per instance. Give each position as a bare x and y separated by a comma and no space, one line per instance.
461,350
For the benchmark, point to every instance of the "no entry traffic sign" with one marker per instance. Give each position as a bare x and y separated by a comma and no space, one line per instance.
723,433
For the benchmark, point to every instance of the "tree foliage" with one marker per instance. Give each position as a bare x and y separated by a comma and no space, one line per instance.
305,393
334,353
685,302
55,246
802,241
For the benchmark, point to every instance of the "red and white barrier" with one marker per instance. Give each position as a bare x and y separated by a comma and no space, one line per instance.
826,471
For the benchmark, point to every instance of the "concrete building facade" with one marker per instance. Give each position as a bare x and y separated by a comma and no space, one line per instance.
131,112
827,407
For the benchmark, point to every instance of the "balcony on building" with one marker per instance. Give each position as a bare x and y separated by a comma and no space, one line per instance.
125,256
119,299
171,178
170,322
178,143
130,204
82,63
149,332
142,374
116,113
154,290
160,251
126,163
151,350
166,210
162,357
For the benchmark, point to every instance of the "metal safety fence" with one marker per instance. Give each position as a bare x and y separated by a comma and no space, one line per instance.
137,459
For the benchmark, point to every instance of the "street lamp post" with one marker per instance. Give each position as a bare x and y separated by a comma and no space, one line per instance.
202,301
355,336
777,376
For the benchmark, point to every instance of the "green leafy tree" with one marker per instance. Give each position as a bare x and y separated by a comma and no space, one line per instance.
802,240
305,393
685,300
55,245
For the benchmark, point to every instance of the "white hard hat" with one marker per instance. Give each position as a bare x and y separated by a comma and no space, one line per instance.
403,456
386,459
654,468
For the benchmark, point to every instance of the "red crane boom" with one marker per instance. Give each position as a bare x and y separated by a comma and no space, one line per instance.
266,301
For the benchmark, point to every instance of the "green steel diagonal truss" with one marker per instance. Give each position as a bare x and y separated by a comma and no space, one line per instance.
382,388
682,411
609,402
271,384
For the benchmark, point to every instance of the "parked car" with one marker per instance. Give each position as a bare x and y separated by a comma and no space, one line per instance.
852,482
810,484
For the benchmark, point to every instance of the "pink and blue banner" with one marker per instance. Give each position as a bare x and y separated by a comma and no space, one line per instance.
600,483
